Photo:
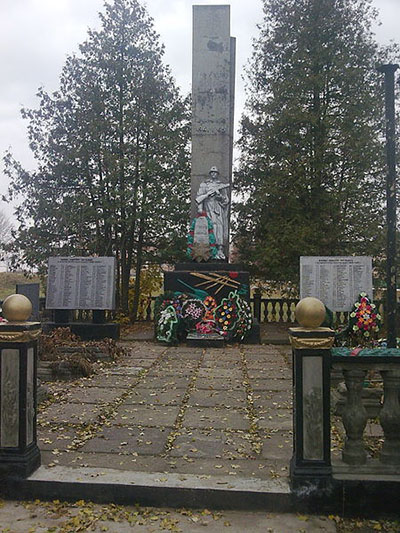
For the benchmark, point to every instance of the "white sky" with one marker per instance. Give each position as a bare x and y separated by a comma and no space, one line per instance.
37,35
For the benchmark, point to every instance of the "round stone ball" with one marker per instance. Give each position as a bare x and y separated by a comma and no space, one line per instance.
17,308
310,312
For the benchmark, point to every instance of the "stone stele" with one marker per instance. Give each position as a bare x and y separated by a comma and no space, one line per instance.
213,79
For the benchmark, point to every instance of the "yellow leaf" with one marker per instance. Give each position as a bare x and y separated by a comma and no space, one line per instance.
302,517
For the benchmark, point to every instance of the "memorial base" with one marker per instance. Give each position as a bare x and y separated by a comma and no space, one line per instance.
315,478
203,340
19,453
18,464
87,331
254,335
216,279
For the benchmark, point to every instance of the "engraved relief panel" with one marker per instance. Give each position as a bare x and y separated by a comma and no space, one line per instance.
30,404
9,426
313,408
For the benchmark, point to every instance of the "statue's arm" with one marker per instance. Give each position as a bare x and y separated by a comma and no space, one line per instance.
224,198
202,194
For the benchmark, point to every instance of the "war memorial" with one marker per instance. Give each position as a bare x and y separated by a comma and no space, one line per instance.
203,418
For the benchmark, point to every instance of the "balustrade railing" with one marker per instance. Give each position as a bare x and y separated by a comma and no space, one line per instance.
355,416
264,309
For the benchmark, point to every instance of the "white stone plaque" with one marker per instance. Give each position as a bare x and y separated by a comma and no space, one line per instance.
336,281
201,234
81,283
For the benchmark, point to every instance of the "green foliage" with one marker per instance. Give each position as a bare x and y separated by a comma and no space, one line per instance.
111,147
311,173
151,280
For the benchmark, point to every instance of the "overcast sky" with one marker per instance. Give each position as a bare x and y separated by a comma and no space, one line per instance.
37,35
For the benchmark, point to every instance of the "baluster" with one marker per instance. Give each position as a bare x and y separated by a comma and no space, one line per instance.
285,312
148,309
265,313
292,312
262,311
354,418
390,417
277,311
269,311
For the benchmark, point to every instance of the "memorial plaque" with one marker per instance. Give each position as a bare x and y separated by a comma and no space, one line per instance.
201,234
81,283
31,291
336,281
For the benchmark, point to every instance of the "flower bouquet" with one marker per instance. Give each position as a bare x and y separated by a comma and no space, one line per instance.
364,322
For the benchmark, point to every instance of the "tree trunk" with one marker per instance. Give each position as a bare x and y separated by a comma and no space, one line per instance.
138,270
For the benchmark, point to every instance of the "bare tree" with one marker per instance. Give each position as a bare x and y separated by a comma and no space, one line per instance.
5,235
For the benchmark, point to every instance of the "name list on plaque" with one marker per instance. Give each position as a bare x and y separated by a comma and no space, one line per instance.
81,283
336,281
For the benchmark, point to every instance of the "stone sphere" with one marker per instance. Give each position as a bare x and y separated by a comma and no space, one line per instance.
310,312
17,308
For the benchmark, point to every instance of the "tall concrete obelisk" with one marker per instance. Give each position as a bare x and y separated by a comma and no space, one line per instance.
213,87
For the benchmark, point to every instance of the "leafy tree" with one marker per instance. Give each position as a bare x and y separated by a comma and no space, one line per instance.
112,152
311,171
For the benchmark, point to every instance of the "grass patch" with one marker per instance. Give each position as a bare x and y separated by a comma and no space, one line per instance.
8,281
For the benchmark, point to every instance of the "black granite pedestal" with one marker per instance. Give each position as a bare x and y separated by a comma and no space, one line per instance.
189,278
96,330
19,453
87,331
215,279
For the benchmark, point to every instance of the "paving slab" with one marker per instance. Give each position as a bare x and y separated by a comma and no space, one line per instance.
113,381
69,413
258,468
132,440
125,371
140,362
271,384
222,364
49,438
279,399
277,444
269,373
146,415
166,382
157,396
97,395
234,358
102,460
217,418
218,398
172,370
221,373
274,418
212,443
219,383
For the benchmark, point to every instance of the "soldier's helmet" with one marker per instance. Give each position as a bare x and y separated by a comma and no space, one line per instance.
213,169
